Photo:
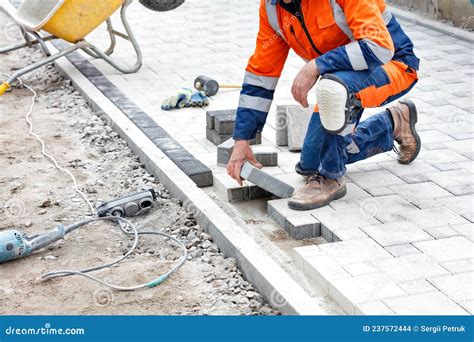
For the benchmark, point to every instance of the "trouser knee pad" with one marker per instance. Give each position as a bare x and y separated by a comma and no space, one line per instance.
336,104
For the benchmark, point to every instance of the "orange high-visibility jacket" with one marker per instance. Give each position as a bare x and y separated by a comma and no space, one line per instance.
338,34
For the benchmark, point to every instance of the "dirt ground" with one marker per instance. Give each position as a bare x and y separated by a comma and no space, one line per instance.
35,197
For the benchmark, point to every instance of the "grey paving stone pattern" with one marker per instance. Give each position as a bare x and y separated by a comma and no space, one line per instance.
401,241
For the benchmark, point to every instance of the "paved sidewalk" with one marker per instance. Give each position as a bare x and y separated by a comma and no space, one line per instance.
407,232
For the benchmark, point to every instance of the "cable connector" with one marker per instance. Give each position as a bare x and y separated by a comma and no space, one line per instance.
133,204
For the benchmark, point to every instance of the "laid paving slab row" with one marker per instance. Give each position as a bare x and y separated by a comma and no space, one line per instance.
192,167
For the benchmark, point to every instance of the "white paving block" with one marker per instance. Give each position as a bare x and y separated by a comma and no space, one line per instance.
426,218
458,287
349,292
459,204
417,286
360,268
396,233
431,303
298,120
459,266
401,250
323,270
353,251
344,219
347,234
384,205
449,249
466,230
410,267
421,194
373,309
375,178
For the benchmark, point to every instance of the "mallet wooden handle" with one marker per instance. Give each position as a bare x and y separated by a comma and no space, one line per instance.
230,86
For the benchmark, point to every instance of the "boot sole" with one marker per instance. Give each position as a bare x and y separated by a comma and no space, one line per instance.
413,120
303,207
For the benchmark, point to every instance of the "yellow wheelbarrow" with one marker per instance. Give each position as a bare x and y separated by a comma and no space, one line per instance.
72,21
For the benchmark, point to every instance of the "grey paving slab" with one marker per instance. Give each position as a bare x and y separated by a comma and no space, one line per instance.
266,181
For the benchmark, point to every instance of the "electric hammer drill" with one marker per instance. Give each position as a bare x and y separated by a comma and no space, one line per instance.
14,244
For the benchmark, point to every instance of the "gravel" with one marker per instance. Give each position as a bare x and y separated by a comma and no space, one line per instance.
35,196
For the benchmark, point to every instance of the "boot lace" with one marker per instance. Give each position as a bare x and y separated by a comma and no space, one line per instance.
317,177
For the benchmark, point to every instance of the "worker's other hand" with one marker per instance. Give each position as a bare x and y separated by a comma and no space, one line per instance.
241,153
304,81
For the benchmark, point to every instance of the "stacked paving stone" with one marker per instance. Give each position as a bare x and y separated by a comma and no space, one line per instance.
220,127
291,125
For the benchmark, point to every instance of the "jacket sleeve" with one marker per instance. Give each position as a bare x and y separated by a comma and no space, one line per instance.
261,77
372,44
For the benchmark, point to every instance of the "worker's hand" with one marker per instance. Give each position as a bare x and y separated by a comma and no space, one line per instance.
241,153
304,81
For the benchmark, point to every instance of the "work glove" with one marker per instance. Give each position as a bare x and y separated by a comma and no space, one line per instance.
185,98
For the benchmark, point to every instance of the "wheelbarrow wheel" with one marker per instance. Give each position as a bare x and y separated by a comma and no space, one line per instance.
161,5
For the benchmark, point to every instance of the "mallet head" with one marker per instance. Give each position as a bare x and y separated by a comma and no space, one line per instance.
207,85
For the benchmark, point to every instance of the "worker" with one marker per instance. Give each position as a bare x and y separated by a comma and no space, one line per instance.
363,59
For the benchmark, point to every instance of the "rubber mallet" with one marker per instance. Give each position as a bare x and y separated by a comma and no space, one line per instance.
211,86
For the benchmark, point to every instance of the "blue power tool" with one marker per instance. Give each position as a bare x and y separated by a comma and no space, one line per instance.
14,244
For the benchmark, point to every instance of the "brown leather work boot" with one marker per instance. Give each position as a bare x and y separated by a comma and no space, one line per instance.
318,192
405,116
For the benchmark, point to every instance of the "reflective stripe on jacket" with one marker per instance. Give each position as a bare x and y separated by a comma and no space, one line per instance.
339,34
